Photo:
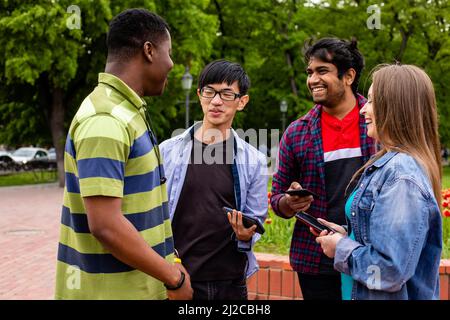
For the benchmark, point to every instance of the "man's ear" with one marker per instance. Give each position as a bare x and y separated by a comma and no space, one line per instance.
243,102
148,51
350,76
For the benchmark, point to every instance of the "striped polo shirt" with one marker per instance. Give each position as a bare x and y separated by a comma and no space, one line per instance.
109,152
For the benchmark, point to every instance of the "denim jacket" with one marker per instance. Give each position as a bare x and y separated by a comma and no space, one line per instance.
250,179
398,233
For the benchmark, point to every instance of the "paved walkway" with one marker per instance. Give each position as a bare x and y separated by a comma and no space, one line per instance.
29,232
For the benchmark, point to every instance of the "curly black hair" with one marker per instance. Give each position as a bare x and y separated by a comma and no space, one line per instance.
130,29
342,53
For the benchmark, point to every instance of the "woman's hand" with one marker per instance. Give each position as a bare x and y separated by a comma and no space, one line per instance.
328,241
332,225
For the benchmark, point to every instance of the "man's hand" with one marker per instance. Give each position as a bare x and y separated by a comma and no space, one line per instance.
242,233
289,205
185,292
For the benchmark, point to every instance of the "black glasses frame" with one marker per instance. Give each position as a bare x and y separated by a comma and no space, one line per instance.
236,95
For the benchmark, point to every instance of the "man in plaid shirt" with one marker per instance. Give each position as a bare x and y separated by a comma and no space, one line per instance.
320,152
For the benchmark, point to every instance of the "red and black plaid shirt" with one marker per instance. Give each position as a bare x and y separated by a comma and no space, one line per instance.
301,159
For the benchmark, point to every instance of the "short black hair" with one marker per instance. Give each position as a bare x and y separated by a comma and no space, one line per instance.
220,71
130,29
342,53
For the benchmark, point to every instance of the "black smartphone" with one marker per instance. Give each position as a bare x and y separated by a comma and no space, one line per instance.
313,222
248,221
301,193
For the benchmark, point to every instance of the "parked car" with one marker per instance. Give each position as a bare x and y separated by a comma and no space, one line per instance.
31,158
7,163
52,157
51,153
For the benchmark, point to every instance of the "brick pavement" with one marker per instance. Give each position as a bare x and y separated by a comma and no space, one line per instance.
29,232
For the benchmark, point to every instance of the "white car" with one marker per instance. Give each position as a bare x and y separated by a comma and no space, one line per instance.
30,156
51,154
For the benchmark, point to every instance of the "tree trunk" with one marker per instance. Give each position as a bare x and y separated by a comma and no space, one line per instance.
57,130
291,78
405,36
221,27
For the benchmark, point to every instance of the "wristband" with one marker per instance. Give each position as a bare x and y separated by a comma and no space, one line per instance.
179,284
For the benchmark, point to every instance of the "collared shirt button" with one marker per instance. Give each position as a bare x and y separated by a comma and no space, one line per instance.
353,213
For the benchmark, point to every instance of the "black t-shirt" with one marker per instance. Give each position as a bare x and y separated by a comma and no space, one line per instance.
202,233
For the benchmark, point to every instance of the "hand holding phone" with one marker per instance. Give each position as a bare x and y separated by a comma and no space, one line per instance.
300,193
248,221
296,199
312,222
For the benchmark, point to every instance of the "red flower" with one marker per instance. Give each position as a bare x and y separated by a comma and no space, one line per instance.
446,213
445,204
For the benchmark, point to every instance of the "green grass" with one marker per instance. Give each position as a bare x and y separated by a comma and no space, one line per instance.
277,238
23,178
446,238
446,177
446,220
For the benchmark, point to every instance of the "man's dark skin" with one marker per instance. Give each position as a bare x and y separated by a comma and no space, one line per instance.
145,73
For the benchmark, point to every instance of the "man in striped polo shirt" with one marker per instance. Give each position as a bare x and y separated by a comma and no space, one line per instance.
320,152
116,238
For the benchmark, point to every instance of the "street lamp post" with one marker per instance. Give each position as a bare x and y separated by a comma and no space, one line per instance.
283,109
186,84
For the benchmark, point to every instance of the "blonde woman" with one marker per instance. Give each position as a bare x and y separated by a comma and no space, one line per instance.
393,244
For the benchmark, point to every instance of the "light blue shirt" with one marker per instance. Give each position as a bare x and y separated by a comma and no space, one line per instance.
397,225
251,168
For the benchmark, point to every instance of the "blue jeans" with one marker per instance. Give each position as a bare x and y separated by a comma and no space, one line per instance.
220,290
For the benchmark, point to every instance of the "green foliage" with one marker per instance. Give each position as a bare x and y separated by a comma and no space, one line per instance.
39,52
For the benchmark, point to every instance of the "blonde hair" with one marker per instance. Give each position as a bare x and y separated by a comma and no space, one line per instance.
404,105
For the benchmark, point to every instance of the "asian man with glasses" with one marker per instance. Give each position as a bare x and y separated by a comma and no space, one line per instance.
209,167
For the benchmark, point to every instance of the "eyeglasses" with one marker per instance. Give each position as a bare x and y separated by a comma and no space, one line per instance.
225,95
